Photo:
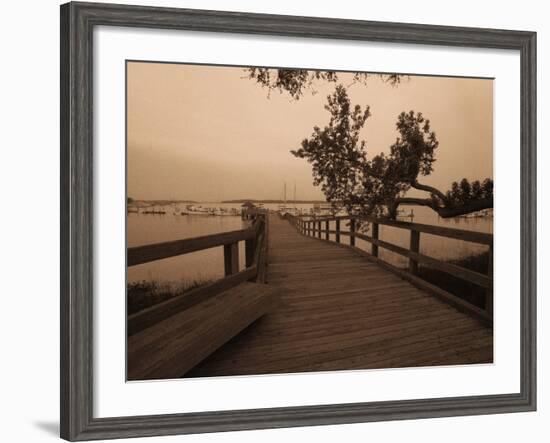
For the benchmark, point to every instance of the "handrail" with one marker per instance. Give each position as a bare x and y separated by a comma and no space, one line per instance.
312,226
147,253
255,250
442,231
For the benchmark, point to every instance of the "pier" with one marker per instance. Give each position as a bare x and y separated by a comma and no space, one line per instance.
308,299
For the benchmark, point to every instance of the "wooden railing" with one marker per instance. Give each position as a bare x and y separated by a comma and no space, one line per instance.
319,227
255,238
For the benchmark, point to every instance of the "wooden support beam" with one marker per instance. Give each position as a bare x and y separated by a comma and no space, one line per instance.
327,235
337,231
249,248
352,232
374,246
414,247
231,258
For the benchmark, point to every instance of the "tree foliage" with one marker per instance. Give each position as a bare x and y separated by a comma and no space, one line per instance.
377,186
296,81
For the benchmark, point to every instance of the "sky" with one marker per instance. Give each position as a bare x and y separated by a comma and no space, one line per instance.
208,133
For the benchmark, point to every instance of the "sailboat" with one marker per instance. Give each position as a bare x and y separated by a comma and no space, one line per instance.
284,209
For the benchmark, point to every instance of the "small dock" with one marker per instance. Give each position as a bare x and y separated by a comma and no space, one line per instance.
338,307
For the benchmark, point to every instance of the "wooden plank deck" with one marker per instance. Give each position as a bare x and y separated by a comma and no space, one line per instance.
340,311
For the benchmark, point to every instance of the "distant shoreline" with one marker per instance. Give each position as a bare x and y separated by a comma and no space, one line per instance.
273,201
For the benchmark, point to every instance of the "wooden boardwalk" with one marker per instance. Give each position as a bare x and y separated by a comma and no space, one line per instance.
341,311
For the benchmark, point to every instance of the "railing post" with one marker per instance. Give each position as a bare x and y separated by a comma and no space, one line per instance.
249,249
337,230
374,247
319,229
352,232
489,292
327,235
231,258
415,247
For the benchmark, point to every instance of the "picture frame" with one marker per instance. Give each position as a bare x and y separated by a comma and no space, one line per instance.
78,21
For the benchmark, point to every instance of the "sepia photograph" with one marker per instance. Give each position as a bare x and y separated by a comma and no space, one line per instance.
287,220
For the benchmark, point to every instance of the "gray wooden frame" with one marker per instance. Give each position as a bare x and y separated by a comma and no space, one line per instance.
77,23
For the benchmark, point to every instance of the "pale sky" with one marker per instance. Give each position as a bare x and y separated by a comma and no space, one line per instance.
207,133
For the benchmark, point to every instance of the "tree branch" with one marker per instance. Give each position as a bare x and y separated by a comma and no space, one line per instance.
414,184
443,211
429,189
466,208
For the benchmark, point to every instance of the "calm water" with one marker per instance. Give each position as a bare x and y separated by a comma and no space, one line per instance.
200,265
208,264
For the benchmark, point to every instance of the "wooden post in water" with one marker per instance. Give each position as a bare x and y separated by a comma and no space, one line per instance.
231,258
319,229
337,230
327,235
489,292
374,248
352,232
415,247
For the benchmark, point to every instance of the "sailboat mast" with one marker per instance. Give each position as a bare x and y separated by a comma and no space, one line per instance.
285,194
294,194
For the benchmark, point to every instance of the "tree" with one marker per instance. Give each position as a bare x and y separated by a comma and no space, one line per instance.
378,186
